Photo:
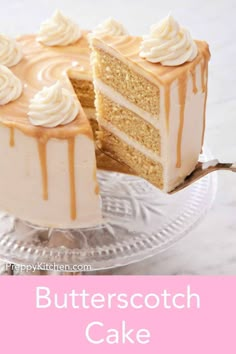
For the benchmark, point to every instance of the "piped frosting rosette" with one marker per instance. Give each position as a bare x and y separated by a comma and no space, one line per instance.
53,106
168,44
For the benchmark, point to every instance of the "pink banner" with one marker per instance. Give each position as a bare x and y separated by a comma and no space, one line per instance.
117,315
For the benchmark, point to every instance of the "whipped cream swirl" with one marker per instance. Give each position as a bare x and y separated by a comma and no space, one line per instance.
10,86
53,106
59,31
10,51
168,44
110,27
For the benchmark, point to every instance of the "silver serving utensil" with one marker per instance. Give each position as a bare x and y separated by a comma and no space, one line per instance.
202,169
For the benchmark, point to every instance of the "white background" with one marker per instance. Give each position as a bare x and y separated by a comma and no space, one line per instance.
211,247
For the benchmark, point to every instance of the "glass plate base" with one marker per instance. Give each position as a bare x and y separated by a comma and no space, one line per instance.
139,222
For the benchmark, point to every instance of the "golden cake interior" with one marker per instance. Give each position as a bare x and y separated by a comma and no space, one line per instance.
84,91
143,94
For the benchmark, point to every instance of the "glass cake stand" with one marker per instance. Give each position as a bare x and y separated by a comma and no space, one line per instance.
139,222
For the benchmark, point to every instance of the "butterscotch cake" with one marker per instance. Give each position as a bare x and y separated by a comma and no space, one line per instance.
47,157
151,98
150,102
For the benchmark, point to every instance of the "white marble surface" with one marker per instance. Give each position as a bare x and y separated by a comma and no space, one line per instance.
211,247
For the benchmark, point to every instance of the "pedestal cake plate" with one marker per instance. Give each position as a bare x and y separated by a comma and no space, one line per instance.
139,222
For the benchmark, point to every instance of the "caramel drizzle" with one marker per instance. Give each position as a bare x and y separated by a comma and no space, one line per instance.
71,159
193,74
182,98
203,69
12,137
205,100
42,149
167,105
182,89
96,189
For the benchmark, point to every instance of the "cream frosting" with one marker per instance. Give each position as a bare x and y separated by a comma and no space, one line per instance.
110,27
168,44
10,51
208,164
53,106
129,141
59,31
10,86
233,165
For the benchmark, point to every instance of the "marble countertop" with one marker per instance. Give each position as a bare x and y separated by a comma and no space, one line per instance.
211,248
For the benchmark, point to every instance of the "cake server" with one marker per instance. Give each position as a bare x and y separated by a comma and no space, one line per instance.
202,169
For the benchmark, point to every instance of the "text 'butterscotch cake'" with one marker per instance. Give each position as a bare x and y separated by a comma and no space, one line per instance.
151,99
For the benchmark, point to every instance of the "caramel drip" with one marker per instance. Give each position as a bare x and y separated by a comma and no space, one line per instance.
97,189
12,137
167,105
42,149
193,74
71,159
182,98
204,109
203,70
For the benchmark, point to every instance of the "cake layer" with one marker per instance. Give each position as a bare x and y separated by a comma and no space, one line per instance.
126,49
129,123
139,162
85,92
129,141
131,85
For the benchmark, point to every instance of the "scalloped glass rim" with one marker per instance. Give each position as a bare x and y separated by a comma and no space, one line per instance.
136,227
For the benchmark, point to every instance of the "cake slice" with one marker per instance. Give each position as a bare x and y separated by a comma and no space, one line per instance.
151,100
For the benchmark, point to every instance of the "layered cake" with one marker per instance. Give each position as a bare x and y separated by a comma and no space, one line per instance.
151,98
47,158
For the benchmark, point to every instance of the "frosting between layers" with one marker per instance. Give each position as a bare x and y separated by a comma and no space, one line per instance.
168,44
53,106
59,31
90,113
208,164
10,51
234,165
122,136
122,101
10,86
110,27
